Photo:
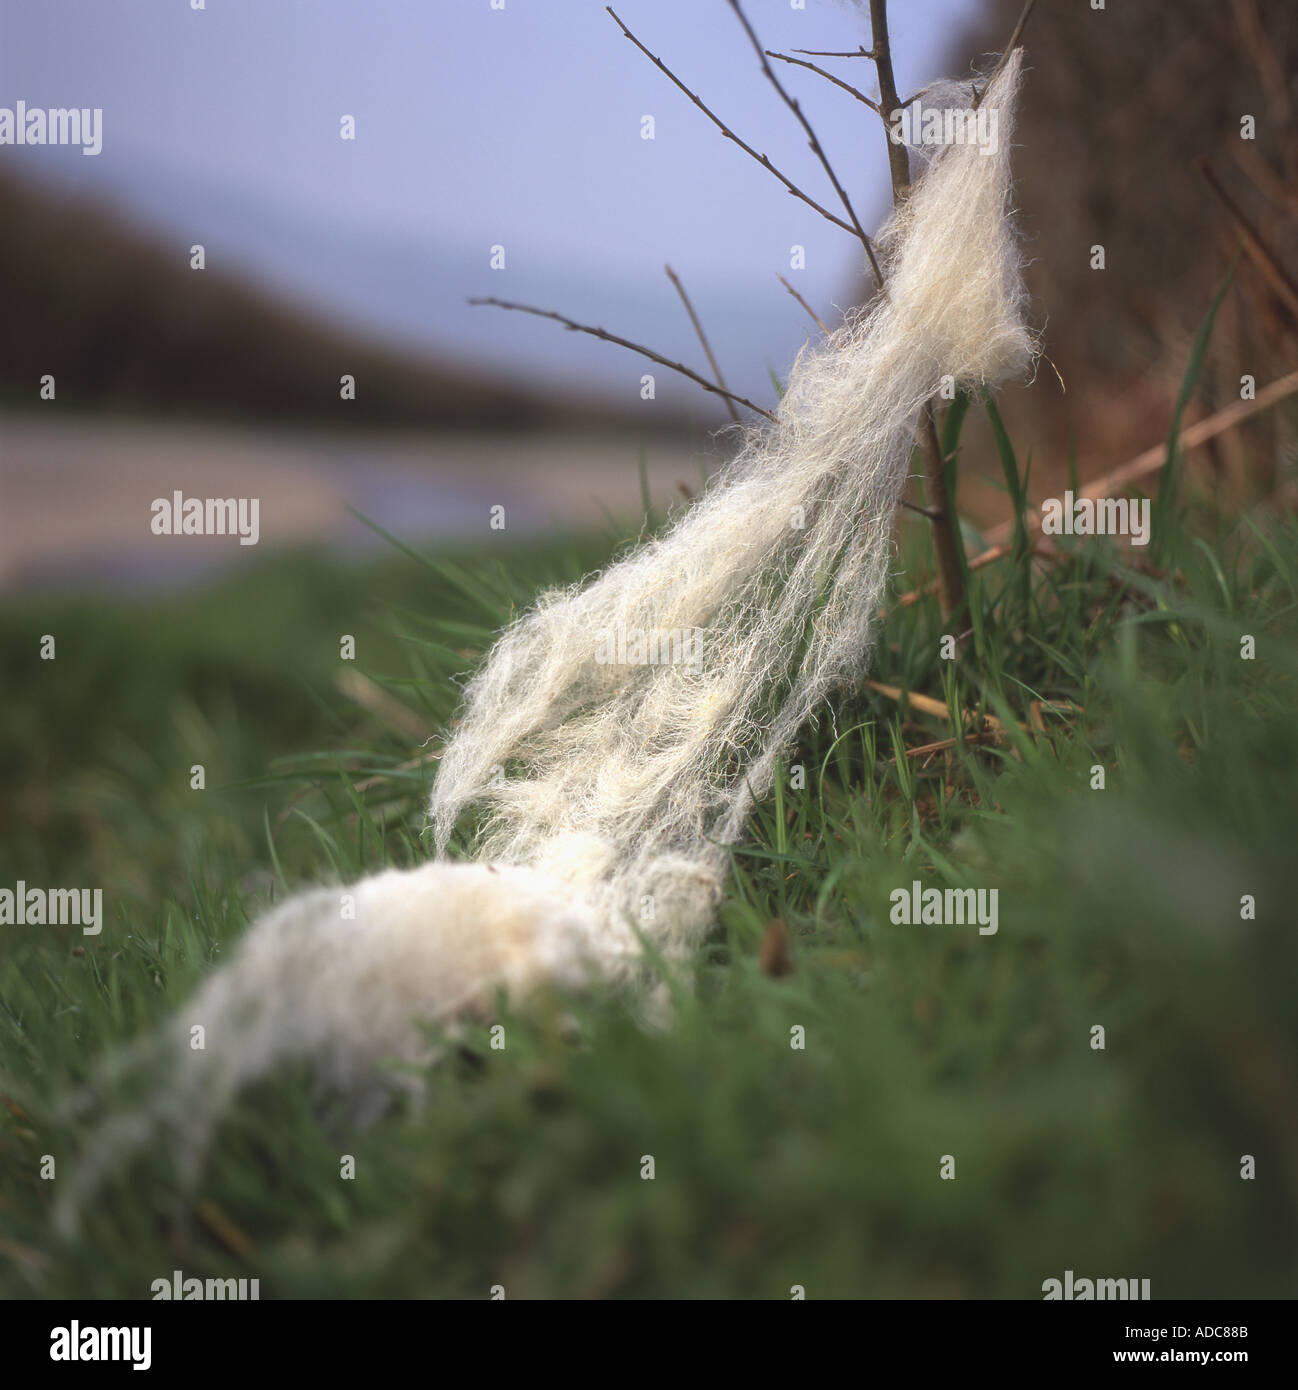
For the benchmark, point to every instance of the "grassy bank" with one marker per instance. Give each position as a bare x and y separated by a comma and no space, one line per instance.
774,1165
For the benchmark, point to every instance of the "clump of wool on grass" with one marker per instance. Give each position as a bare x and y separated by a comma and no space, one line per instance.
624,783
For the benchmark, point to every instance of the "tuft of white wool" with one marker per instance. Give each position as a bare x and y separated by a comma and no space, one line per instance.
624,783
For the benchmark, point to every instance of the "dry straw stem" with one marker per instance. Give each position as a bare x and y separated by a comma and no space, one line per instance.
992,730
943,745
1154,457
995,734
926,704
573,326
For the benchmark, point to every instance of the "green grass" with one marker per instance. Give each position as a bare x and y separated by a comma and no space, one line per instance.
775,1166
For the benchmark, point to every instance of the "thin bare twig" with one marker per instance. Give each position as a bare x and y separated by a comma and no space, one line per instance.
910,101
573,326
816,147
730,134
1009,48
829,77
703,338
861,52
815,318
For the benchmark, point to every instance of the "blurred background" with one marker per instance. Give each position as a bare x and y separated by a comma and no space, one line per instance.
521,128
475,128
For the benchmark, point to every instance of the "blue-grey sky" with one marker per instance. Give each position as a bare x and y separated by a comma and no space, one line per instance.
475,127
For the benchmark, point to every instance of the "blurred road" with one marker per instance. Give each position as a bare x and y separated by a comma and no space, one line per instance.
76,497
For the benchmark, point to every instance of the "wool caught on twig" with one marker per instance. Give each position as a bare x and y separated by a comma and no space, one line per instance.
607,787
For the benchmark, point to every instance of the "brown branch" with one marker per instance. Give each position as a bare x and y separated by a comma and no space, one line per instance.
816,147
948,545
703,338
575,327
829,77
898,163
730,134
815,318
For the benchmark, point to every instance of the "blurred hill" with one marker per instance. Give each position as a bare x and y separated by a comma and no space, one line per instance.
125,325
1117,107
